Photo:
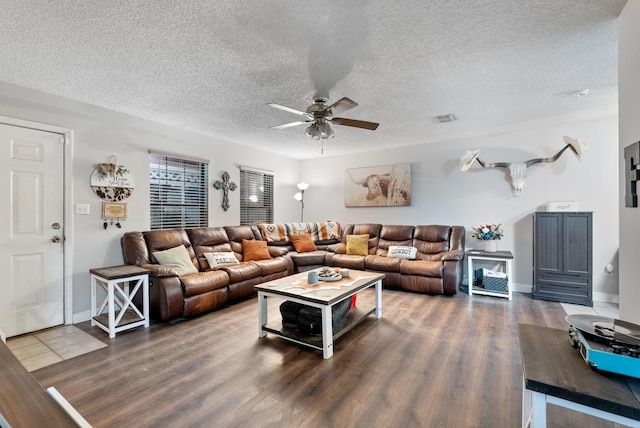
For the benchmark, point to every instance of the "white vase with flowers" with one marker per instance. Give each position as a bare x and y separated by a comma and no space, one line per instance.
489,234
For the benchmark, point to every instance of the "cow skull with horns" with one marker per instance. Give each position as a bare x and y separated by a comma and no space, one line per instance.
518,171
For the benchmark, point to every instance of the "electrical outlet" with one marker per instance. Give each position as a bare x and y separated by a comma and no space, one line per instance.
82,209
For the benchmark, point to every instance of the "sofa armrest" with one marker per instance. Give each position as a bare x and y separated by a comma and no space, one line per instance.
339,248
277,251
166,300
159,271
453,255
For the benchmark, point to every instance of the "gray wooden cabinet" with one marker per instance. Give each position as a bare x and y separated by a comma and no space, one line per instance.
562,257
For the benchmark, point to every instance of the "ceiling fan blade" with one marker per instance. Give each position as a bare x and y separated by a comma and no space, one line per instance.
343,104
289,109
372,126
289,125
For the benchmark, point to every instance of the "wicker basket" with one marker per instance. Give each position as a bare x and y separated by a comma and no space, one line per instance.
495,284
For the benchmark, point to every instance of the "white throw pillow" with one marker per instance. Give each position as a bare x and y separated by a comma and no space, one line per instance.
402,252
177,258
217,260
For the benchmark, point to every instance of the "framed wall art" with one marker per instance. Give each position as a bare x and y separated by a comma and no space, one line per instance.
378,186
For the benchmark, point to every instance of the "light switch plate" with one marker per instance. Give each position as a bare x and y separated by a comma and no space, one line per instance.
82,209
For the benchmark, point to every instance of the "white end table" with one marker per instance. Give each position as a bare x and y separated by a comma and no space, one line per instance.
116,282
499,257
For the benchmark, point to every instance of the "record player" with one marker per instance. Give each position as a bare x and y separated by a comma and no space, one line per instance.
606,344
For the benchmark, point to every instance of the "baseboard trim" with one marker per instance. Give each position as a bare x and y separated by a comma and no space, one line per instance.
79,317
597,296
606,297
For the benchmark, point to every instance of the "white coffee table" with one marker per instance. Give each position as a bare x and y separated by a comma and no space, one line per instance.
324,296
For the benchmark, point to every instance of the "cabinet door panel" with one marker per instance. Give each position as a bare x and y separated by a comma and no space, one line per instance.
577,254
548,243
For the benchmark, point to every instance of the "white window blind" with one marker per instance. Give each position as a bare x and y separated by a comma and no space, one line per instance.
256,196
178,192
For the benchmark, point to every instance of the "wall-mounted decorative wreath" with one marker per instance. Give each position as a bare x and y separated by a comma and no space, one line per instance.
112,182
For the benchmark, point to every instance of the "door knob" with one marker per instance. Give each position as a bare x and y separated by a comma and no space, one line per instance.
56,239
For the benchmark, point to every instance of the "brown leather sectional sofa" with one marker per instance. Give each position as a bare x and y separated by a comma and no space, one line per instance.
437,268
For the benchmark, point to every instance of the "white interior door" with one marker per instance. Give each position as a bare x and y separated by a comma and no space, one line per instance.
31,231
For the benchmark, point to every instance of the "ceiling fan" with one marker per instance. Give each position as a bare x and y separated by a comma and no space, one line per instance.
319,116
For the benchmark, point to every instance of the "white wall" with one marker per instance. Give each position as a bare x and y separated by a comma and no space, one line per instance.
629,112
98,134
442,194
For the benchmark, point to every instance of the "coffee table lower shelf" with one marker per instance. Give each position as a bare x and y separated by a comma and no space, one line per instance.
353,317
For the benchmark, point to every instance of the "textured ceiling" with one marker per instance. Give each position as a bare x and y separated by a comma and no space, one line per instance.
210,66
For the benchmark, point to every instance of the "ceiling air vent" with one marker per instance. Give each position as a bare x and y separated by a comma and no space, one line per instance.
446,118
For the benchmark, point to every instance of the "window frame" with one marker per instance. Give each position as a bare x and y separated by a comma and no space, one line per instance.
178,192
256,195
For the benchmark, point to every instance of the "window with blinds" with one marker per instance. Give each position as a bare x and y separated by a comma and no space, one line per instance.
256,196
178,192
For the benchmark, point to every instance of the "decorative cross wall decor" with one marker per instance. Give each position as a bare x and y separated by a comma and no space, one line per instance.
632,174
225,185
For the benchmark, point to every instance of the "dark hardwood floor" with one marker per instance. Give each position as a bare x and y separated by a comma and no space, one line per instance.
430,361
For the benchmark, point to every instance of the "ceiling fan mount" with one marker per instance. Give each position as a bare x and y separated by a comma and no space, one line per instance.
319,107
318,115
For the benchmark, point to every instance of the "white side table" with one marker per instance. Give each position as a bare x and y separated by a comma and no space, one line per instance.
116,281
503,258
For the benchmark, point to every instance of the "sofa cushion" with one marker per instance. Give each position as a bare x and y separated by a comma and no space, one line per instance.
254,250
219,259
348,261
372,229
403,252
312,258
426,268
303,243
382,263
242,272
164,239
208,240
358,245
236,234
431,240
271,266
204,282
176,258
393,235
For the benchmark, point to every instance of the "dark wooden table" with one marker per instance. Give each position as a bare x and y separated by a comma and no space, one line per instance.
555,373
23,401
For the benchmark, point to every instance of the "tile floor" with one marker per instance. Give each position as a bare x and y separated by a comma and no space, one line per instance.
52,345
603,309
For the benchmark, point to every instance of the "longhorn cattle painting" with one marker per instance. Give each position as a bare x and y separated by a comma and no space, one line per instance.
378,186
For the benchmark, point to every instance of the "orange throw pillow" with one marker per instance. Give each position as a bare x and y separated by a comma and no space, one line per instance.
253,249
303,243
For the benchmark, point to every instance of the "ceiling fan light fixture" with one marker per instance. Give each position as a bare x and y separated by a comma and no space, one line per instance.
319,131
312,131
325,130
